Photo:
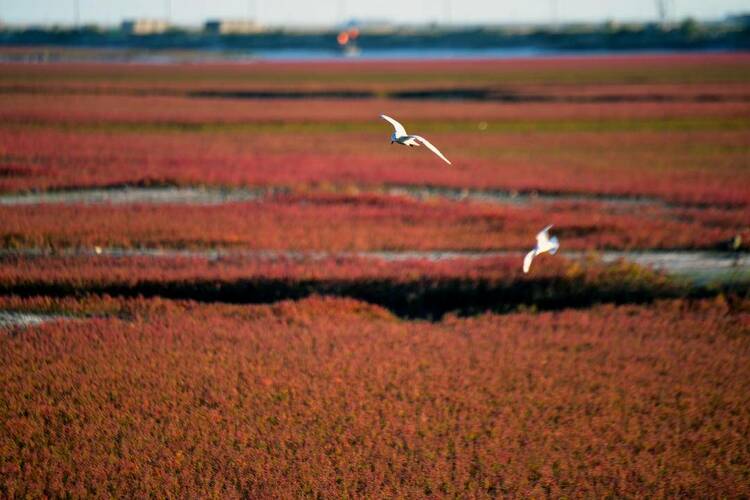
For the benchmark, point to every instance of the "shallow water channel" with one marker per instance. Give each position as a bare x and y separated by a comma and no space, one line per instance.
696,266
13,319
128,195
218,196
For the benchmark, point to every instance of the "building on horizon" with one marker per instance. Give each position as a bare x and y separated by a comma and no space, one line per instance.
145,26
231,26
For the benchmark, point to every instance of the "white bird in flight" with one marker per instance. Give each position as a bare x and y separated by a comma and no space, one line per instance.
543,244
401,137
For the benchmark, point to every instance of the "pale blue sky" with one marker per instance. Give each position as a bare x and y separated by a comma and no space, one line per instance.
319,12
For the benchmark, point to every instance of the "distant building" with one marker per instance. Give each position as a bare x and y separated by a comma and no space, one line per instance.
144,26
231,26
370,26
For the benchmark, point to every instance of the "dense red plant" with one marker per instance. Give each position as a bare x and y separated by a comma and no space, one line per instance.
91,110
690,151
698,166
369,222
329,397
575,72
86,271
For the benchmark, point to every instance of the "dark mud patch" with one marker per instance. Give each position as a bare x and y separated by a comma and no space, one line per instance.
479,94
509,96
283,94
420,297
425,298
466,94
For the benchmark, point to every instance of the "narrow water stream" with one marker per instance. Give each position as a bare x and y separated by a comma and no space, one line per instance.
128,195
698,266
13,319
218,196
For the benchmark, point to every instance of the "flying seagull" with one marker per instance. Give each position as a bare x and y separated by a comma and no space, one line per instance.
401,137
543,244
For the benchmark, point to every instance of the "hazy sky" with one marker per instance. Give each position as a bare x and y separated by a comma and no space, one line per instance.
311,12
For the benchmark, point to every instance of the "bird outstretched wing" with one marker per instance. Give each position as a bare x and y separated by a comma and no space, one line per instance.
432,148
400,130
527,260
543,237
